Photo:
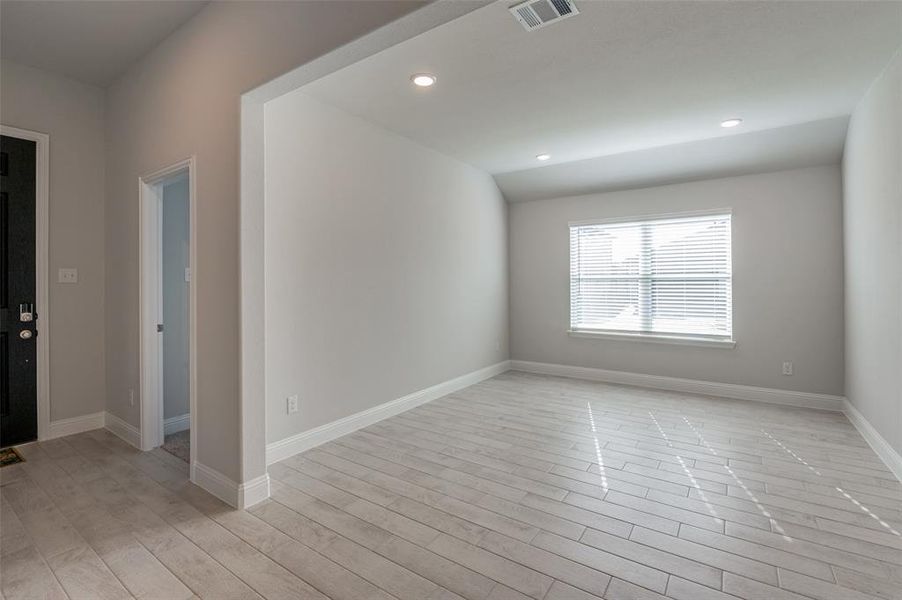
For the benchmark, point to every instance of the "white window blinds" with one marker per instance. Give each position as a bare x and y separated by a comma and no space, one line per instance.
660,276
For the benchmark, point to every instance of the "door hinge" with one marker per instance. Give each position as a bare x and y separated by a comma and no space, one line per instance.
159,328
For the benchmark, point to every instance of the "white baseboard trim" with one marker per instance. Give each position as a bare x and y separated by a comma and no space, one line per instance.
692,386
253,491
328,432
123,430
240,496
63,427
215,482
888,454
176,424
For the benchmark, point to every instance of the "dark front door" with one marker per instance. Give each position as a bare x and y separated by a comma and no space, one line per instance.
18,346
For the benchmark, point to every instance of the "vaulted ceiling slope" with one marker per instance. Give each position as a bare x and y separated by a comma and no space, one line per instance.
623,78
790,147
89,41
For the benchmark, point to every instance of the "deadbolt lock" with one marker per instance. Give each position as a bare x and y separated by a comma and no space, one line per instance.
26,334
26,313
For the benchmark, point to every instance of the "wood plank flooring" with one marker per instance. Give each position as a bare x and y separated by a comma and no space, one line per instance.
521,487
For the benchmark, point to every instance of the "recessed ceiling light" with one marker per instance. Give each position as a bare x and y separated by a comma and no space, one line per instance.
730,123
543,156
423,79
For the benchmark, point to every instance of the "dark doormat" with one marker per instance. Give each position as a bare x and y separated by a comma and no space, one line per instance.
10,456
179,444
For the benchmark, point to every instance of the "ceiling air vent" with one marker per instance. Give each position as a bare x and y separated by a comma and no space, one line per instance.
534,14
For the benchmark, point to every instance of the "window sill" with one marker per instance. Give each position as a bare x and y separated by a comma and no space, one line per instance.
655,339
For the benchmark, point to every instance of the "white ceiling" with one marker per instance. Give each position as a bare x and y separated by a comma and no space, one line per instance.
623,77
90,41
790,147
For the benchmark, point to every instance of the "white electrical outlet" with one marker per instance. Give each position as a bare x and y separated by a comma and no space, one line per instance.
131,397
787,368
67,276
292,404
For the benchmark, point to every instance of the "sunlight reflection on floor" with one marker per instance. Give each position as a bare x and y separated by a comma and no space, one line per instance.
776,526
604,478
685,468
845,494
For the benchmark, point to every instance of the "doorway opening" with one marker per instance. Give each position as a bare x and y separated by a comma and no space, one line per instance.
168,311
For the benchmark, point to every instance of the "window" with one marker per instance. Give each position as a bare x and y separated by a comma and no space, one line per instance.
668,277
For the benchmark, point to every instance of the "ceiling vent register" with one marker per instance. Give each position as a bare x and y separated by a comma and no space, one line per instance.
535,14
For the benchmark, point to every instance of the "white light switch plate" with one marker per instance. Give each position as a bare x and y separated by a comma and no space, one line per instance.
68,276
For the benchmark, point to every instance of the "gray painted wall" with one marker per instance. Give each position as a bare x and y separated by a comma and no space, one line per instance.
872,176
175,299
72,114
787,287
183,98
386,266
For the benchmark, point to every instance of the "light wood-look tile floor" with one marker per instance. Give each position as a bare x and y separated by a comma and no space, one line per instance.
519,487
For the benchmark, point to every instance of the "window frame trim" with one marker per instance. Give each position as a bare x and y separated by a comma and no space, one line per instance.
658,338
652,217
712,341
